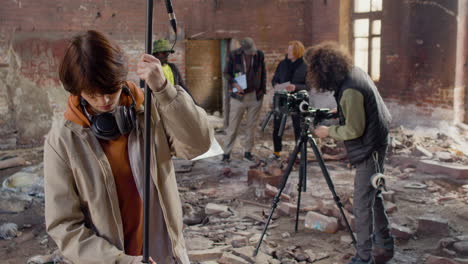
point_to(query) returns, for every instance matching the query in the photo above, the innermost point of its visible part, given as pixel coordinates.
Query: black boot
(248, 156)
(226, 158)
(382, 249)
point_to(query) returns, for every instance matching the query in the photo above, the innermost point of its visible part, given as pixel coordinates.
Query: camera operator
(364, 125)
(93, 160)
(292, 69)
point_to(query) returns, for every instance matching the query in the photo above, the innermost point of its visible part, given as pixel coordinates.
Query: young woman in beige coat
(93, 158)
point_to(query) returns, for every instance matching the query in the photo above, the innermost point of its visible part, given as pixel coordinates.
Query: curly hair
(328, 66)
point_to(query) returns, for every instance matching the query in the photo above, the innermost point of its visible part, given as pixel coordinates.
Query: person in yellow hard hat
(161, 50)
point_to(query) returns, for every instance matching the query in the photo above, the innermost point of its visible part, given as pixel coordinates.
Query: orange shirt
(130, 203)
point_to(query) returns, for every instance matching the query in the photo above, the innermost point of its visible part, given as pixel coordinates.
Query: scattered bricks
(449, 253)
(465, 188)
(461, 247)
(272, 191)
(287, 208)
(350, 218)
(422, 152)
(389, 196)
(346, 239)
(212, 209)
(444, 156)
(246, 253)
(205, 255)
(229, 258)
(432, 225)
(316, 221)
(255, 217)
(390, 207)
(274, 169)
(238, 241)
(255, 176)
(283, 253)
(446, 242)
(255, 238)
(401, 232)
(226, 214)
(329, 208)
(274, 261)
(434, 167)
(277, 172)
(300, 255)
(439, 260)
(227, 172)
(311, 254)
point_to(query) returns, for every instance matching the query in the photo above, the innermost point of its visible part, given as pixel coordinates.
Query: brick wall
(34, 35)
(418, 60)
(418, 47)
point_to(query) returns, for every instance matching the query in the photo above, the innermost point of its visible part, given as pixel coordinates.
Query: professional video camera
(285, 103)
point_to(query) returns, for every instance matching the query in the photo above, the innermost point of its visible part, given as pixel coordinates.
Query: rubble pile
(226, 206)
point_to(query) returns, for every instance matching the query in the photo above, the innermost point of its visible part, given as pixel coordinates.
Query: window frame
(372, 16)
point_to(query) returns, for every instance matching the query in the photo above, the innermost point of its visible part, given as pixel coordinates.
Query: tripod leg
(284, 118)
(267, 120)
(327, 177)
(276, 200)
(301, 186)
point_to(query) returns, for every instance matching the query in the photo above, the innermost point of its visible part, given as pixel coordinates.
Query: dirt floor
(414, 192)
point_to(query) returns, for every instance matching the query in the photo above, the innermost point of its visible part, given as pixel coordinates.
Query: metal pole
(147, 139)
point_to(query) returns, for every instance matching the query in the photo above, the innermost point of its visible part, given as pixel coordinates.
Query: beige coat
(81, 206)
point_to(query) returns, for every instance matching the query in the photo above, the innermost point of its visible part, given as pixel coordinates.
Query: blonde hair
(298, 48)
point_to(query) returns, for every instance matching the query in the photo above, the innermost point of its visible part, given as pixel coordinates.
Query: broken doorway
(204, 73)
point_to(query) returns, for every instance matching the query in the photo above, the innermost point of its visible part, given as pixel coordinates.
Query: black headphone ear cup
(105, 126)
(124, 119)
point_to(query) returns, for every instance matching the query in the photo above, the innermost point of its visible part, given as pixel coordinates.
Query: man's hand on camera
(139, 259)
(291, 88)
(321, 131)
(150, 70)
(334, 111)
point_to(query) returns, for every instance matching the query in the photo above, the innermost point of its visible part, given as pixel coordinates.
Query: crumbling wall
(418, 48)
(418, 60)
(34, 35)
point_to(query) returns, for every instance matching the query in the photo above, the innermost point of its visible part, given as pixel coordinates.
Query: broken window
(367, 25)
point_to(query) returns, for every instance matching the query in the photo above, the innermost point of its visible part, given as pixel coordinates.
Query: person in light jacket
(93, 158)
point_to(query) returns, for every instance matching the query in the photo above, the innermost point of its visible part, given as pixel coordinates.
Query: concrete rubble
(227, 205)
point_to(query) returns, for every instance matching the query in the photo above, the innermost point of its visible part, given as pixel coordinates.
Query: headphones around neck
(111, 125)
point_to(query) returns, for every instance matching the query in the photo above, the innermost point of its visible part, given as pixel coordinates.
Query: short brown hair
(298, 48)
(93, 64)
(328, 66)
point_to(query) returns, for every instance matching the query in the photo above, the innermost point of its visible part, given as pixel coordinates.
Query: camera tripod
(301, 146)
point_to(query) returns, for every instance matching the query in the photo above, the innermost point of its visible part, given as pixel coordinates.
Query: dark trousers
(369, 210)
(277, 140)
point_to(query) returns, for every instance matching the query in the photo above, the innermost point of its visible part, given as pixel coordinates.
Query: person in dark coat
(293, 70)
